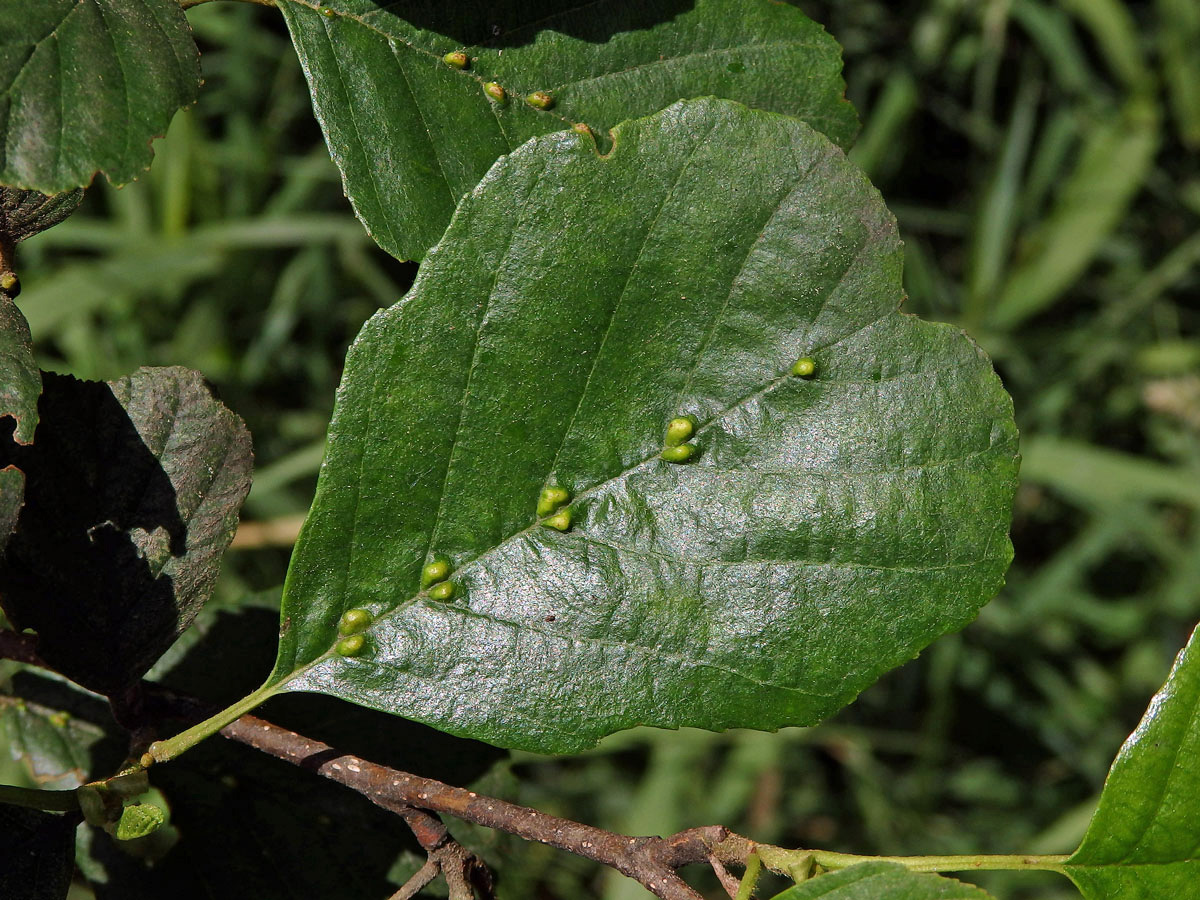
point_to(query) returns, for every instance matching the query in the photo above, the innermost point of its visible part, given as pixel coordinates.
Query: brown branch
(651, 861)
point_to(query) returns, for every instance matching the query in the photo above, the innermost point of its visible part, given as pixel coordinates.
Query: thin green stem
(161, 751)
(750, 877)
(967, 863)
(30, 798)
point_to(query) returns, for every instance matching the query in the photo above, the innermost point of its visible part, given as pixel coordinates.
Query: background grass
(1042, 159)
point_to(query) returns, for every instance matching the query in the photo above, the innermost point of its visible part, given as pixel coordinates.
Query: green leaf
(825, 529)
(20, 386)
(412, 134)
(1144, 841)
(112, 560)
(86, 84)
(878, 880)
(26, 213)
(20, 381)
(53, 746)
(37, 854)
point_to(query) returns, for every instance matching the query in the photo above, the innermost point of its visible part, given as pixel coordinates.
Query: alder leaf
(53, 747)
(412, 134)
(20, 386)
(879, 880)
(86, 84)
(132, 493)
(826, 529)
(1144, 841)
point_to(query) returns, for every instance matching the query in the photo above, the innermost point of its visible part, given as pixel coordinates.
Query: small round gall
(560, 521)
(540, 100)
(442, 591)
(456, 59)
(354, 621)
(551, 498)
(679, 453)
(679, 430)
(495, 91)
(435, 571)
(350, 646)
(804, 367)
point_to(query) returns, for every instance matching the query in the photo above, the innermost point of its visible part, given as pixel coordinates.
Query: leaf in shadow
(37, 854)
(253, 826)
(25, 213)
(132, 494)
(20, 385)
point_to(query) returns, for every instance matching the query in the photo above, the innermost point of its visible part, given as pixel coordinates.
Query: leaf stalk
(161, 751)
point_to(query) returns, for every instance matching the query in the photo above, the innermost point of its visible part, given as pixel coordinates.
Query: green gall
(551, 498)
(354, 621)
(540, 100)
(435, 571)
(10, 284)
(679, 453)
(457, 59)
(327, 13)
(139, 820)
(679, 430)
(350, 646)
(560, 521)
(443, 591)
(495, 91)
(60, 719)
(582, 128)
(804, 367)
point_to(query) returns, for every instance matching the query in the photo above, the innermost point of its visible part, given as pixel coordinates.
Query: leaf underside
(412, 135)
(86, 84)
(878, 880)
(52, 746)
(112, 560)
(825, 532)
(1144, 841)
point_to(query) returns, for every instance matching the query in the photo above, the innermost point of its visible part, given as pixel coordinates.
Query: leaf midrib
(586, 492)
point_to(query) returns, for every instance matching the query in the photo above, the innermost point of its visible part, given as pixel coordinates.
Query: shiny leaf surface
(412, 133)
(824, 530)
(1144, 841)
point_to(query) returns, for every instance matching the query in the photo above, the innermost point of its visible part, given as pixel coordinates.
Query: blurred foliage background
(1043, 160)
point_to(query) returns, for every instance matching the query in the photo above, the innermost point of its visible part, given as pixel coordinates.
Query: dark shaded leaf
(877, 881)
(20, 386)
(240, 834)
(827, 529)
(133, 489)
(86, 84)
(37, 854)
(26, 213)
(20, 380)
(54, 747)
(1144, 841)
(412, 134)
